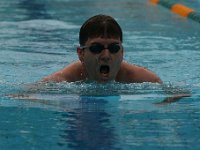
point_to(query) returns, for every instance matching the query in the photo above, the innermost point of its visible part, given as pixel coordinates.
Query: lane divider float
(179, 9)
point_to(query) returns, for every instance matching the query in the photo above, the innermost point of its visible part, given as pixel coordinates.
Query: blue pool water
(40, 37)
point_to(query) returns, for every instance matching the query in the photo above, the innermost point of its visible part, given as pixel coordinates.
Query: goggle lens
(98, 48)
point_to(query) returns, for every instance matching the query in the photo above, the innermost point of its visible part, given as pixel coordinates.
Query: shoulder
(133, 73)
(70, 73)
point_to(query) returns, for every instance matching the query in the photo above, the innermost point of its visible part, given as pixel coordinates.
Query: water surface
(40, 37)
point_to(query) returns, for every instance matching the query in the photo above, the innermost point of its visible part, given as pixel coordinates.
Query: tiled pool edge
(179, 9)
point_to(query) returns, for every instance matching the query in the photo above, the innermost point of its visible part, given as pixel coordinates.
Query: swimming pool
(40, 37)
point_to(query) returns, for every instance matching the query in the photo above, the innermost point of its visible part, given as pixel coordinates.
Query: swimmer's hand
(174, 98)
(176, 94)
(27, 91)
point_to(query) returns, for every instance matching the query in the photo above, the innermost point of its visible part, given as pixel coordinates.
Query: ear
(80, 53)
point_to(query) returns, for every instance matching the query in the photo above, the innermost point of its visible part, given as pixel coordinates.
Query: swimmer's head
(99, 26)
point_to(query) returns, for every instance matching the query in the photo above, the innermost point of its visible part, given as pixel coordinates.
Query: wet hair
(99, 26)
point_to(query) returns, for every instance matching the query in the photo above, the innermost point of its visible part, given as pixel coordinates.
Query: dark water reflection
(89, 127)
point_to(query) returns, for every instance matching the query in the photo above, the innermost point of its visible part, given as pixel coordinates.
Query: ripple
(40, 24)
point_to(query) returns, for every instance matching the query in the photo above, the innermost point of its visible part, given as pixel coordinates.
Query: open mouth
(104, 69)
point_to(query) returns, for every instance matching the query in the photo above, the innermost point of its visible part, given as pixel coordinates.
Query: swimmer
(101, 56)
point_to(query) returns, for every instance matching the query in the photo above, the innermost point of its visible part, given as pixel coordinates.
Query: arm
(176, 93)
(174, 98)
(137, 74)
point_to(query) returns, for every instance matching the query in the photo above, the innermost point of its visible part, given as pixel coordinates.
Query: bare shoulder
(69, 73)
(133, 73)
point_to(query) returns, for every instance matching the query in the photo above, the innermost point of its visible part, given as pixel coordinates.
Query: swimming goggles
(98, 48)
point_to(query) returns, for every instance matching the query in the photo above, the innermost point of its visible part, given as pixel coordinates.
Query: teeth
(104, 69)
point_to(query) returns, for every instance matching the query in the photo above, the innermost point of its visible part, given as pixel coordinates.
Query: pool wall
(179, 9)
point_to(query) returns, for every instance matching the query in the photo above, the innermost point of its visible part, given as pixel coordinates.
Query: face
(101, 64)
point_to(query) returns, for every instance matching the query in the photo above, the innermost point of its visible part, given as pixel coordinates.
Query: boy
(101, 56)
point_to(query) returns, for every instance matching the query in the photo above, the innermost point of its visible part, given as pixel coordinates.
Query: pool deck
(179, 9)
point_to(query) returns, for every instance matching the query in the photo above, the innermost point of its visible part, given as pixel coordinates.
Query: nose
(105, 55)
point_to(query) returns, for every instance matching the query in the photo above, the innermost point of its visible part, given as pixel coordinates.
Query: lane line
(179, 9)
